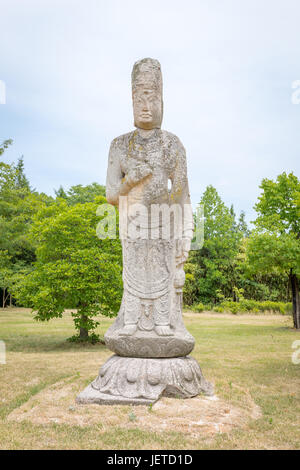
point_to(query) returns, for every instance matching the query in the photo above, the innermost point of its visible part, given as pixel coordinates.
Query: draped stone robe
(153, 273)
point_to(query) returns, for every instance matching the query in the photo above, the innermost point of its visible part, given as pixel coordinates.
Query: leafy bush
(198, 307)
(254, 306)
(218, 309)
(190, 287)
(245, 306)
(230, 306)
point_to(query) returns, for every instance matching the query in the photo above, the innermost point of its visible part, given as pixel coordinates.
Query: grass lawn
(247, 357)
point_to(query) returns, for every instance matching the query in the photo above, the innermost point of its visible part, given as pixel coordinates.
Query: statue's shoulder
(171, 140)
(122, 141)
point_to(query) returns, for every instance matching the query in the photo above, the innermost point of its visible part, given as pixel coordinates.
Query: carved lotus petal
(154, 374)
(187, 373)
(132, 374)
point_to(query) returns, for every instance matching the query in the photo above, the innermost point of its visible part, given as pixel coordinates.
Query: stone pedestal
(142, 381)
(149, 344)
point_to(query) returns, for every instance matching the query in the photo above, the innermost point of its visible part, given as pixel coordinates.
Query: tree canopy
(51, 258)
(81, 194)
(214, 262)
(74, 269)
(275, 244)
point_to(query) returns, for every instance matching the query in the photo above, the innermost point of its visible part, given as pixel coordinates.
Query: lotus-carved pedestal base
(142, 381)
(145, 344)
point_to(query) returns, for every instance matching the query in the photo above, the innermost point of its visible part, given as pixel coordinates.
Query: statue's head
(147, 99)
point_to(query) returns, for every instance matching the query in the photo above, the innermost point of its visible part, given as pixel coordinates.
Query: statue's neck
(146, 133)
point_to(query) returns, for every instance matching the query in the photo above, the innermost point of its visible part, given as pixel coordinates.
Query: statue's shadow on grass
(51, 343)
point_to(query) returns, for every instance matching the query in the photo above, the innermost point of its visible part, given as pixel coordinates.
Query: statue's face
(147, 107)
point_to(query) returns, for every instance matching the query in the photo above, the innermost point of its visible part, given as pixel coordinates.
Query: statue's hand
(179, 278)
(183, 248)
(136, 174)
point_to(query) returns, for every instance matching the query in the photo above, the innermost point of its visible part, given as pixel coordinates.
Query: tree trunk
(84, 333)
(6, 299)
(296, 299)
(3, 298)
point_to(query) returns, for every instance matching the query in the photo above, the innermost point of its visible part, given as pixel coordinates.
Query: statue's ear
(162, 111)
(134, 123)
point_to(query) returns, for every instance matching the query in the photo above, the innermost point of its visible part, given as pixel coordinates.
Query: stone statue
(147, 181)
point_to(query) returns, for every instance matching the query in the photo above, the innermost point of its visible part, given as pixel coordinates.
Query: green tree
(242, 225)
(81, 194)
(258, 285)
(215, 261)
(21, 179)
(5, 145)
(6, 275)
(274, 247)
(60, 193)
(74, 268)
(18, 204)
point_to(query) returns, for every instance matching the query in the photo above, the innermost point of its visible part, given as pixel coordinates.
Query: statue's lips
(146, 116)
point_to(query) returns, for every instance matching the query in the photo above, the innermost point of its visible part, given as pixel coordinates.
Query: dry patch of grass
(198, 417)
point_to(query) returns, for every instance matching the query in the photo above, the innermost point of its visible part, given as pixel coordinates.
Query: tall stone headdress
(147, 73)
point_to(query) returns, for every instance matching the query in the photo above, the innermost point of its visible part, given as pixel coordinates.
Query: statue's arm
(114, 175)
(117, 183)
(180, 191)
(181, 194)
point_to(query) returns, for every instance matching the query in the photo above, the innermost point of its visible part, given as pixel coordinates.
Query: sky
(228, 69)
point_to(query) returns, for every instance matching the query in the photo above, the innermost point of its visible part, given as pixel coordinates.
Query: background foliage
(51, 258)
